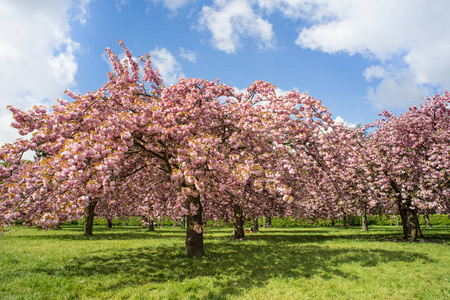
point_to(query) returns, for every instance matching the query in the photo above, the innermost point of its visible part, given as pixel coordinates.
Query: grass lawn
(296, 263)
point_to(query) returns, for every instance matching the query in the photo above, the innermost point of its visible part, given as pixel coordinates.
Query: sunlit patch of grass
(314, 263)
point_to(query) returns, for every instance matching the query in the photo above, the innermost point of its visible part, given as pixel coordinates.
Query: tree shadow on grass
(103, 233)
(315, 236)
(442, 233)
(280, 236)
(384, 233)
(234, 267)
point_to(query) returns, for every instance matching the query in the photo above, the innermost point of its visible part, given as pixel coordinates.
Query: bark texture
(194, 233)
(364, 223)
(426, 216)
(238, 222)
(255, 227)
(344, 221)
(89, 220)
(151, 225)
(410, 220)
(110, 223)
(268, 222)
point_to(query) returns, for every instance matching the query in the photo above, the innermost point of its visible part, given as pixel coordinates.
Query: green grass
(288, 263)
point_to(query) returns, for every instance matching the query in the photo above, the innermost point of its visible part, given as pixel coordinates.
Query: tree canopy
(200, 149)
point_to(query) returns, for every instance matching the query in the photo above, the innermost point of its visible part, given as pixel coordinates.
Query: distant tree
(412, 160)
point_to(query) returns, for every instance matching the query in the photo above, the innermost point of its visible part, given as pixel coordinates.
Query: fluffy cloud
(228, 21)
(339, 119)
(168, 66)
(173, 5)
(409, 39)
(36, 54)
(396, 88)
(293, 9)
(80, 11)
(188, 55)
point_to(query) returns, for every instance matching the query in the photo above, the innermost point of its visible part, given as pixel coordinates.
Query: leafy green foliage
(276, 222)
(130, 221)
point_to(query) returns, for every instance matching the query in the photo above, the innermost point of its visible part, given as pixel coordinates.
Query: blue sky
(358, 57)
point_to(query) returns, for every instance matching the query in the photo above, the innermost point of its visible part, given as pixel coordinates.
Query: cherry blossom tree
(200, 150)
(346, 152)
(198, 140)
(412, 159)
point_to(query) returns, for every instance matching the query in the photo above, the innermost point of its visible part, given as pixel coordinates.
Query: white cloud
(228, 21)
(431, 63)
(396, 87)
(167, 65)
(173, 5)
(282, 92)
(374, 72)
(292, 9)
(341, 120)
(80, 11)
(408, 40)
(121, 3)
(188, 55)
(411, 38)
(376, 28)
(36, 54)
(398, 90)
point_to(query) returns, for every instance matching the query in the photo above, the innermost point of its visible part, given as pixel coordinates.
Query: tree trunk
(344, 221)
(151, 225)
(194, 229)
(426, 216)
(238, 222)
(255, 227)
(332, 223)
(365, 225)
(110, 223)
(410, 221)
(268, 222)
(89, 219)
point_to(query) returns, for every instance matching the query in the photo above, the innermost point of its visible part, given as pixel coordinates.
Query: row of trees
(200, 150)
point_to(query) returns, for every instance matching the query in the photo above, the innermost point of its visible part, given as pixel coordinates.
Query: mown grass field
(288, 263)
